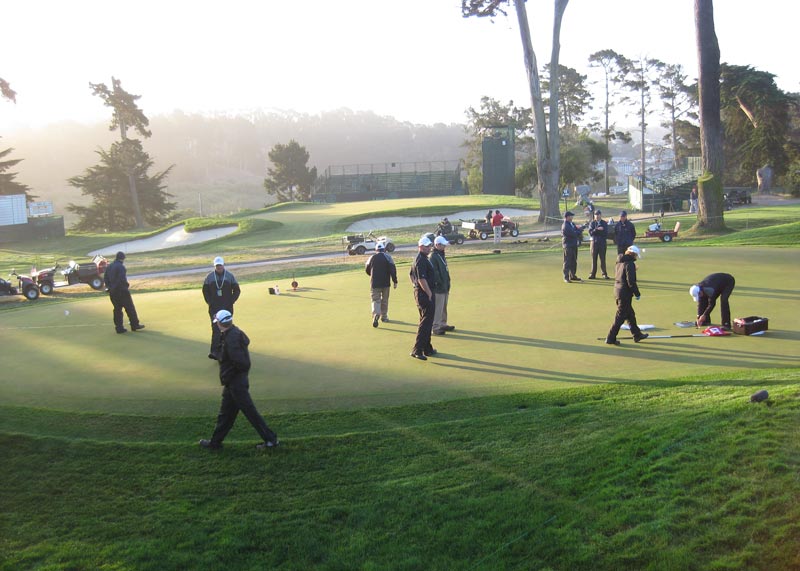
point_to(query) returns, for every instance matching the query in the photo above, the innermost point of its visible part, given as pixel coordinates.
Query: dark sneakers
(208, 445)
(641, 336)
(374, 320)
(419, 356)
(137, 327)
(123, 330)
(449, 327)
(431, 353)
(612, 342)
(268, 444)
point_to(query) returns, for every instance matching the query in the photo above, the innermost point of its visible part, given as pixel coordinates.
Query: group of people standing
(571, 236)
(430, 277)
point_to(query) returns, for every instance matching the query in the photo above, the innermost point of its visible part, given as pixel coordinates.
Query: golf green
(520, 328)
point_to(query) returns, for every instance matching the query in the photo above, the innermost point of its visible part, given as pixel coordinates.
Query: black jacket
(570, 235)
(598, 230)
(624, 233)
(441, 273)
(234, 357)
(625, 286)
(712, 285)
(116, 277)
(381, 269)
(227, 285)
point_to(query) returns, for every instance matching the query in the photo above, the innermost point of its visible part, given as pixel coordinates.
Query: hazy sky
(417, 60)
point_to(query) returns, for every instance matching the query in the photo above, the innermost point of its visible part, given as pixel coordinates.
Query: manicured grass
(520, 328)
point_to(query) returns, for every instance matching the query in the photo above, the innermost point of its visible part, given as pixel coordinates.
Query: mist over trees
(221, 161)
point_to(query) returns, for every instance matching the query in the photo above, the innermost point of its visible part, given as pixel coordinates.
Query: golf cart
(482, 229)
(450, 232)
(90, 273)
(25, 286)
(655, 231)
(361, 244)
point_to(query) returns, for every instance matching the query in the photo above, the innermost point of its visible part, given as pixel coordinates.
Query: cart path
(553, 233)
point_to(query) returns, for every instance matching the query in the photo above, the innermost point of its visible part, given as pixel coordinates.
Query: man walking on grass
(234, 367)
(382, 272)
(441, 286)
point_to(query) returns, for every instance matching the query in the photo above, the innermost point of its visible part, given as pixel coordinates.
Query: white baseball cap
(218, 261)
(441, 240)
(694, 291)
(223, 316)
(424, 241)
(634, 250)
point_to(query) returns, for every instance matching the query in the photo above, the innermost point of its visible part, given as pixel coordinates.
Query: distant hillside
(220, 162)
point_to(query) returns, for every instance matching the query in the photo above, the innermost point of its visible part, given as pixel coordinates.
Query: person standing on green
(220, 290)
(441, 286)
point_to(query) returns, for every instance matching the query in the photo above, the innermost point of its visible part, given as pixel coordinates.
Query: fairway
(519, 329)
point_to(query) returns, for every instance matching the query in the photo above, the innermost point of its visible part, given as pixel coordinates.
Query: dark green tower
(498, 160)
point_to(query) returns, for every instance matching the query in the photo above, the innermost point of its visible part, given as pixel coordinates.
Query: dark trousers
(235, 398)
(123, 300)
(621, 248)
(624, 313)
(724, 305)
(426, 306)
(598, 250)
(570, 261)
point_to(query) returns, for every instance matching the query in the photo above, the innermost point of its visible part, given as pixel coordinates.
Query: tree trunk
(137, 211)
(547, 148)
(710, 212)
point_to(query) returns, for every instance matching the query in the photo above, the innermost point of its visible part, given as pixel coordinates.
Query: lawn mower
(25, 286)
(450, 232)
(89, 273)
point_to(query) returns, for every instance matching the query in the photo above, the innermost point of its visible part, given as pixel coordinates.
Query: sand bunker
(172, 238)
(390, 222)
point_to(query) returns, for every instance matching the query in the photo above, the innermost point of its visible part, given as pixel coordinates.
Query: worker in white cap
(421, 275)
(707, 292)
(220, 290)
(441, 286)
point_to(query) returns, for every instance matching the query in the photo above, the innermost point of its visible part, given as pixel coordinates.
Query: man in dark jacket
(116, 278)
(441, 286)
(598, 233)
(382, 272)
(624, 233)
(422, 277)
(706, 294)
(625, 288)
(220, 290)
(570, 239)
(234, 367)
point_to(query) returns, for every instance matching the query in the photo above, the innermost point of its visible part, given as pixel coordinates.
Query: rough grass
(685, 474)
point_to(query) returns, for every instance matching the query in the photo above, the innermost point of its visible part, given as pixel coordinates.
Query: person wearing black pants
(598, 232)
(422, 277)
(116, 279)
(706, 293)
(570, 239)
(625, 288)
(234, 368)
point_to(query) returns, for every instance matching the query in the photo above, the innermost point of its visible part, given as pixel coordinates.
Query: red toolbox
(750, 325)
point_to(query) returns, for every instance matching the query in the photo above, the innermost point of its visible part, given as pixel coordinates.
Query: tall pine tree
(108, 185)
